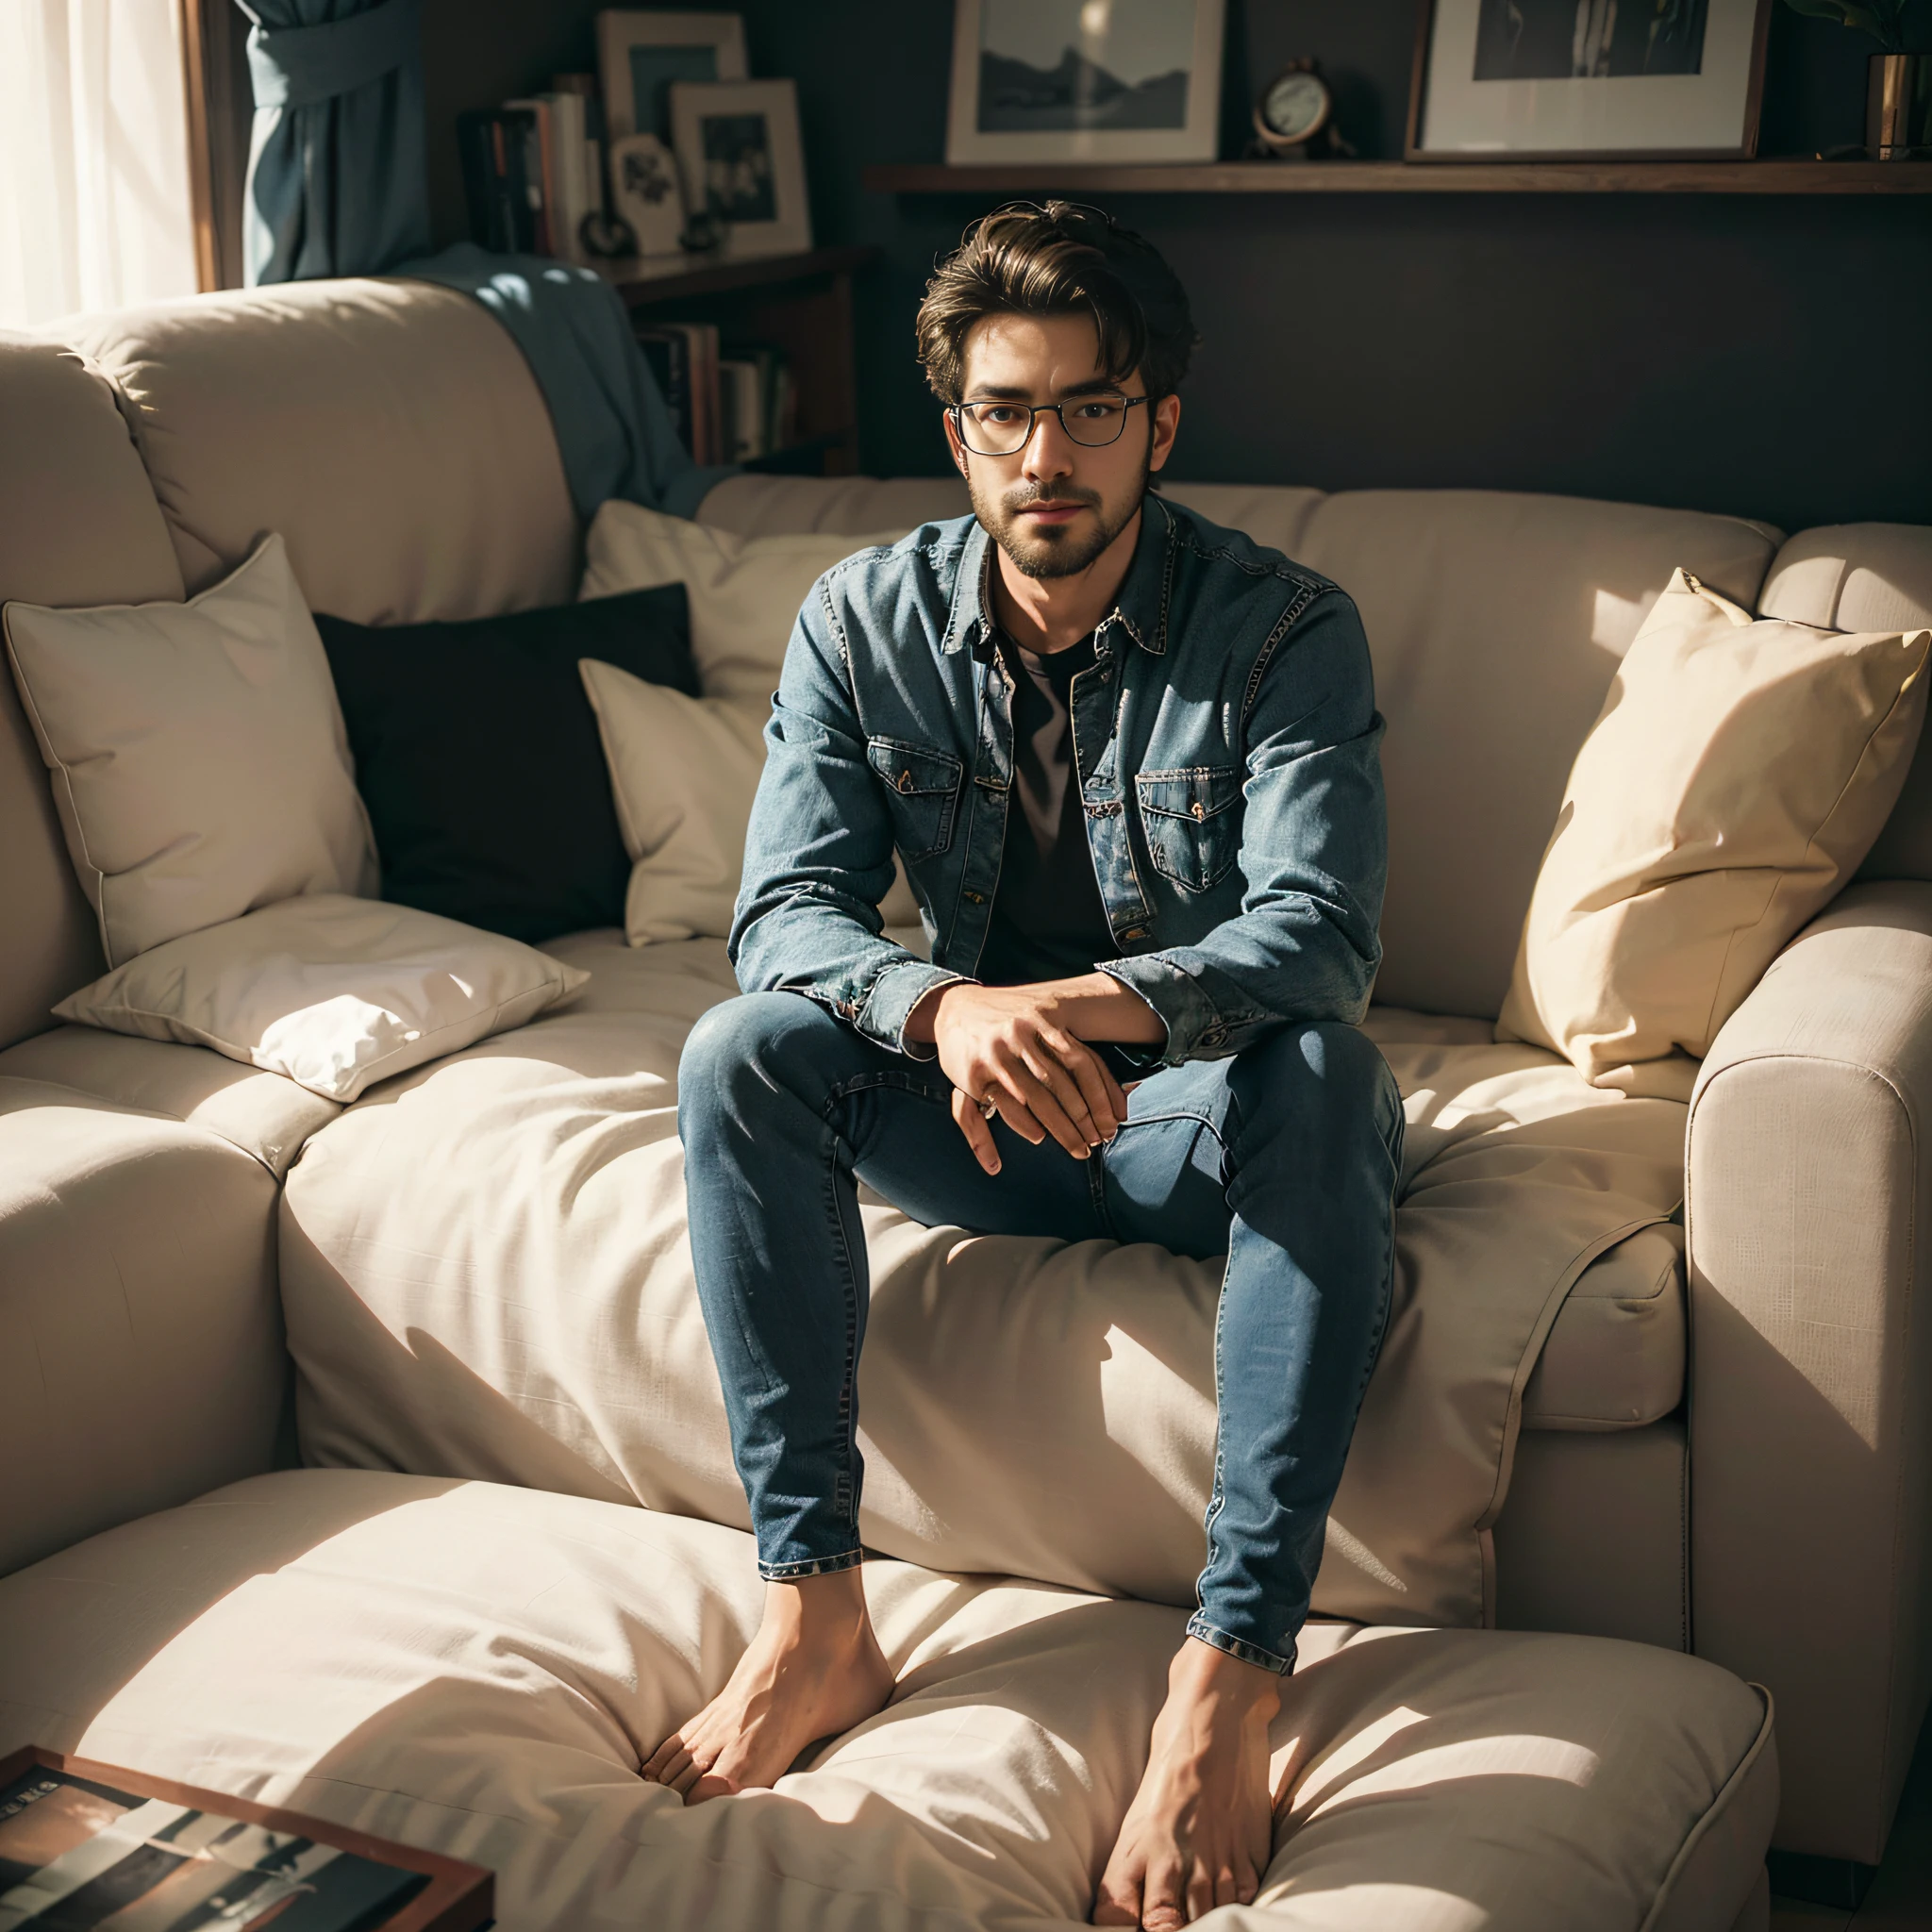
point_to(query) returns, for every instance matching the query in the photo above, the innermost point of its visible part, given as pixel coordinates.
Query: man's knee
(769, 1039)
(1321, 1082)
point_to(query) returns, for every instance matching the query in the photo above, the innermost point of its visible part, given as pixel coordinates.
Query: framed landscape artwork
(1587, 79)
(639, 56)
(738, 151)
(1085, 80)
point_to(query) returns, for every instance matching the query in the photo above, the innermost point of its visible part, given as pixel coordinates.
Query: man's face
(1055, 504)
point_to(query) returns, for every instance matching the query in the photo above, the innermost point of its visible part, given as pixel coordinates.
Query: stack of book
(728, 408)
(531, 170)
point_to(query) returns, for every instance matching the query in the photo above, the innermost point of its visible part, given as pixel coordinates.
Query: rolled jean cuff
(1236, 1646)
(812, 1566)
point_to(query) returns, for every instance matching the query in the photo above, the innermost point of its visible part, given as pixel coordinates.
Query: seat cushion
(263, 1113)
(525, 1310)
(478, 1670)
(140, 1346)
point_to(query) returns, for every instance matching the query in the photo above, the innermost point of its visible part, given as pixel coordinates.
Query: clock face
(1293, 105)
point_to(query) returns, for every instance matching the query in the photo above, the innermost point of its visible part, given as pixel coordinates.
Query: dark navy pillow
(477, 755)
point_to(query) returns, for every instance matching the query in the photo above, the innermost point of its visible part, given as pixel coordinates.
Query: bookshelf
(799, 303)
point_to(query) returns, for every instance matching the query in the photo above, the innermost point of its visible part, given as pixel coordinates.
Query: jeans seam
(848, 1386)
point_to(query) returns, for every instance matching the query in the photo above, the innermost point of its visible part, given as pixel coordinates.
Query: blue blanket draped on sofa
(613, 427)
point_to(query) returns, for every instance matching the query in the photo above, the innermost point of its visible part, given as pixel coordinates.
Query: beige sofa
(1705, 1438)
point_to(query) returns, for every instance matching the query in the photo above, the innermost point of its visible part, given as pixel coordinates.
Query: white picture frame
(648, 52)
(1085, 80)
(740, 154)
(1595, 82)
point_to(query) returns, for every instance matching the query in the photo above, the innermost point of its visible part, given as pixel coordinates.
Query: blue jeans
(1284, 1157)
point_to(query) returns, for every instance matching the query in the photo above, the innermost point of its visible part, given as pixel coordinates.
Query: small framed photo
(1085, 80)
(1571, 80)
(738, 151)
(641, 55)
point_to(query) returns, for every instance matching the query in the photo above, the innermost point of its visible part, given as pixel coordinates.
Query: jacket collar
(1141, 609)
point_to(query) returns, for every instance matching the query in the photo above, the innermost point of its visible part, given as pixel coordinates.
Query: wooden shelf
(1416, 177)
(645, 282)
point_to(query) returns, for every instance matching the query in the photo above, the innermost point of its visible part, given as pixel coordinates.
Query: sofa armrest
(1809, 1176)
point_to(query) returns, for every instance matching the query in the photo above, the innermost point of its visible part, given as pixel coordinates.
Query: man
(1130, 762)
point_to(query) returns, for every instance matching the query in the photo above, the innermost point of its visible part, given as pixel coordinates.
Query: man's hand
(1023, 1049)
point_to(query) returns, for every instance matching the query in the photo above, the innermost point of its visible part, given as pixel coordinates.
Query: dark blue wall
(1765, 356)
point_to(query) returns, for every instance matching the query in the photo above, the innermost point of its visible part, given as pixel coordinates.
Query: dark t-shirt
(1048, 921)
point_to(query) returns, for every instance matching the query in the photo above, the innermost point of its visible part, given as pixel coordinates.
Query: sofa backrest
(78, 525)
(393, 433)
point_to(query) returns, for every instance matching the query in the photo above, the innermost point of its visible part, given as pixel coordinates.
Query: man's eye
(997, 413)
(1098, 412)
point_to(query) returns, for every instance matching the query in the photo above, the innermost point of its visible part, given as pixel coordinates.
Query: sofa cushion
(263, 1113)
(478, 1670)
(199, 761)
(745, 592)
(1615, 1356)
(78, 525)
(140, 1343)
(477, 755)
(391, 429)
(523, 1311)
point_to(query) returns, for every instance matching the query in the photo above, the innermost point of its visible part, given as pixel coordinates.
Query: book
(668, 358)
(85, 1845)
(741, 409)
(485, 187)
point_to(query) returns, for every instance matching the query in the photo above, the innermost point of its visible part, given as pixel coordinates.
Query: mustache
(1058, 498)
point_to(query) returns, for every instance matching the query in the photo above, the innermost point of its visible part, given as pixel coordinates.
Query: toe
(1162, 1908)
(658, 1764)
(1117, 1901)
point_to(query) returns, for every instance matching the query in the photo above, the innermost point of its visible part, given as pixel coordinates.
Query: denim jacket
(1226, 741)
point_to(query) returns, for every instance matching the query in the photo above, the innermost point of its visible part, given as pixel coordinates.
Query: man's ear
(952, 442)
(1167, 421)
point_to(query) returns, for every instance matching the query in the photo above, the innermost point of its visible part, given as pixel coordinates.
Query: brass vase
(1898, 107)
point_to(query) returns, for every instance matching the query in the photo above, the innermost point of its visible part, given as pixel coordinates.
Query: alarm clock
(1293, 108)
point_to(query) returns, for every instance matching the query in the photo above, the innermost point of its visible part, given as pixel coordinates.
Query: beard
(1061, 551)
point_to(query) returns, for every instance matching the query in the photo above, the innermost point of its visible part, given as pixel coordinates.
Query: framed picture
(645, 192)
(641, 55)
(1570, 80)
(738, 151)
(1085, 80)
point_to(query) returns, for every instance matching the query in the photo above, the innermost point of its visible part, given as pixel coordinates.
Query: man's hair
(1059, 259)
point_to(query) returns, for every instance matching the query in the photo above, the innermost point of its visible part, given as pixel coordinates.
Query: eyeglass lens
(1002, 429)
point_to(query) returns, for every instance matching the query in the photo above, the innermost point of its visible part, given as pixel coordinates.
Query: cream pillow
(745, 592)
(197, 751)
(335, 992)
(1738, 773)
(684, 772)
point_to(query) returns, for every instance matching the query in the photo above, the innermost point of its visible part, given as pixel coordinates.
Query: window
(96, 201)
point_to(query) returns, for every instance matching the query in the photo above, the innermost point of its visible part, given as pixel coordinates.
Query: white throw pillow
(335, 992)
(197, 751)
(744, 592)
(684, 772)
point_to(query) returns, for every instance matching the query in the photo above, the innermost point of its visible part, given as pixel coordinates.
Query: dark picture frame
(1554, 102)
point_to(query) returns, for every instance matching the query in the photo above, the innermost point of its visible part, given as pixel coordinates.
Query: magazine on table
(97, 1849)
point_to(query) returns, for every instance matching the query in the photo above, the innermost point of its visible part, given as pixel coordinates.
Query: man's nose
(1049, 450)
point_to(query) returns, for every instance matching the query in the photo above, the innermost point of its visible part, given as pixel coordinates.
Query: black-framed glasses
(1004, 429)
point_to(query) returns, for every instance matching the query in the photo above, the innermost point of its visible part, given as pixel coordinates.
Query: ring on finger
(986, 1103)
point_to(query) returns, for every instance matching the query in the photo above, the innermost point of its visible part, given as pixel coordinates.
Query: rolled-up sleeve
(1313, 856)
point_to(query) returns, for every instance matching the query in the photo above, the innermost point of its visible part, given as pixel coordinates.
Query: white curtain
(94, 207)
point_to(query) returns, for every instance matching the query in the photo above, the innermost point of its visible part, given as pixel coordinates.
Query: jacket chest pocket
(1193, 833)
(923, 785)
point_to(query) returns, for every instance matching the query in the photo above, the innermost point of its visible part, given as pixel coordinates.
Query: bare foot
(814, 1668)
(1198, 1832)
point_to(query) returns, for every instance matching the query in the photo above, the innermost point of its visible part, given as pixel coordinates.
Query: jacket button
(905, 781)
(1195, 809)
